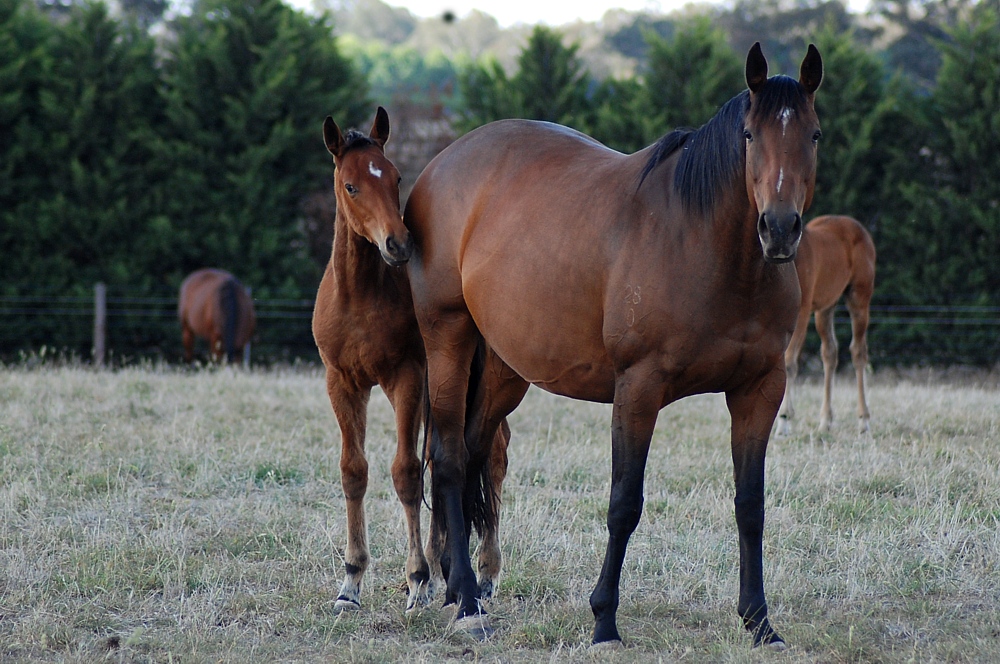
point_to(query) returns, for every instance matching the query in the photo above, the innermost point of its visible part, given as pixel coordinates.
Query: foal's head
(367, 187)
(781, 131)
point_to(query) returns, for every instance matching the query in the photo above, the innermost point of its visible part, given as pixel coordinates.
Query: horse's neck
(358, 268)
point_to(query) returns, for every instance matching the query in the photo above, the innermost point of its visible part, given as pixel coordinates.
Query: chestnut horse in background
(367, 335)
(836, 257)
(634, 280)
(214, 305)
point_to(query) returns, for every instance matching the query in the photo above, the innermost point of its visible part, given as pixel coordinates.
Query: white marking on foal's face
(377, 172)
(781, 177)
(785, 116)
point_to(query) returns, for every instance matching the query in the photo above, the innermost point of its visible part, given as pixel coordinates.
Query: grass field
(171, 516)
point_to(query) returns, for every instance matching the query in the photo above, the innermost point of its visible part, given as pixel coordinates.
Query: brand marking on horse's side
(377, 172)
(785, 116)
(633, 295)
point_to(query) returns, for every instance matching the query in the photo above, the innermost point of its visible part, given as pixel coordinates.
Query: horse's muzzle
(397, 251)
(779, 235)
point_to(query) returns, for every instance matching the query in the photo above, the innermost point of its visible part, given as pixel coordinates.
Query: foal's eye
(747, 135)
(817, 136)
(351, 189)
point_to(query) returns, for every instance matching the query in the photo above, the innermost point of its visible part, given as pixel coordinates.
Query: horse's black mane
(712, 155)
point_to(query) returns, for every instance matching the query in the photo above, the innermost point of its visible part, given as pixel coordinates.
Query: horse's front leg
(406, 392)
(637, 402)
(753, 408)
(351, 408)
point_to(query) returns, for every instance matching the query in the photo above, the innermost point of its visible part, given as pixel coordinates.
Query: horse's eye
(817, 136)
(351, 189)
(747, 135)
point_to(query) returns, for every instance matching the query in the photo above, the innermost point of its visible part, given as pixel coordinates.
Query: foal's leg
(752, 409)
(792, 354)
(828, 349)
(857, 305)
(351, 408)
(638, 397)
(406, 393)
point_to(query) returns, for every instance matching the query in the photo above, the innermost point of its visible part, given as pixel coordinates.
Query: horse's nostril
(797, 225)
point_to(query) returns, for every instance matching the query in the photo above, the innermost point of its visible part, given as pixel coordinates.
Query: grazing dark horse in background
(367, 335)
(836, 257)
(214, 305)
(634, 280)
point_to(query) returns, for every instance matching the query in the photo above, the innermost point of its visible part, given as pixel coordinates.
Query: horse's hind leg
(187, 337)
(406, 394)
(857, 305)
(828, 349)
(351, 409)
(792, 353)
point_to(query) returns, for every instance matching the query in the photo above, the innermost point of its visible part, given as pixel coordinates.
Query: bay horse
(836, 257)
(366, 333)
(634, 280)
(215, 306)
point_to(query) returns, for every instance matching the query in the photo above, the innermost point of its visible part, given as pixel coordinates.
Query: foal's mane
(712, 156)
(356, 139)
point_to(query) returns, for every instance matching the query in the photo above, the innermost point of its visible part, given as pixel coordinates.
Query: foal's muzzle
(397, 249)
(779, 235)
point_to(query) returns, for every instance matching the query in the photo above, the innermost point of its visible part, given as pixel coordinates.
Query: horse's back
(200, 304)
(837, 253)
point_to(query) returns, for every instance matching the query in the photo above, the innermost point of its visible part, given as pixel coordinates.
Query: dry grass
(158, 515)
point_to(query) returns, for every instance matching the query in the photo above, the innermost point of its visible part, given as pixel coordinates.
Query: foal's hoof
(486, 589)
(419, 598)
(477, 626)
(607, 646)
(863, 425)
(344, 604)
(776, 646)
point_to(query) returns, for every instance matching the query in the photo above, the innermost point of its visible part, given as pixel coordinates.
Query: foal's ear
(332, 137)
(380, 128)
(756, 68)
(811, 72)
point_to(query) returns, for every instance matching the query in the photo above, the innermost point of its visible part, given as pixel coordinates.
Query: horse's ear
(332, 137)
(811, 72)
(380, 128)
(756, 68)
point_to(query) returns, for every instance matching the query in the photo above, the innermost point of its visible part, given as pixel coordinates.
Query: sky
(551, 12)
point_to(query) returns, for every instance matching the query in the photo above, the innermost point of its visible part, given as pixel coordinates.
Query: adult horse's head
(781, 131)
(367, 187)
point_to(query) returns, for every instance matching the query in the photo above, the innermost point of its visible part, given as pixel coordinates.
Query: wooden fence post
(100, 322)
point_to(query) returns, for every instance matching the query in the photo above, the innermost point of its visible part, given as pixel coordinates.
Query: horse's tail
(229, 306)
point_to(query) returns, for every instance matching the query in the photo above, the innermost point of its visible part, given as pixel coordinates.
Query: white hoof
(784, 427)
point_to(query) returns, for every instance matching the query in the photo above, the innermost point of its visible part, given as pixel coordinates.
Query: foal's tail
(229, 305)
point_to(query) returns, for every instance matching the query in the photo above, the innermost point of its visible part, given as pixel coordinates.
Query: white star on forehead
(377, 172)
(785, 116)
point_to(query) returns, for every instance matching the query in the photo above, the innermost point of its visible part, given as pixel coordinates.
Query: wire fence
(145, 327)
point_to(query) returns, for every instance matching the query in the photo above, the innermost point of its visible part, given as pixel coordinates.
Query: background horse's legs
(857, 304)
(752, 409)
(638, 397)
(828, 349)
(792, 354)
(351, 409)
(406, 395)
(187, 337)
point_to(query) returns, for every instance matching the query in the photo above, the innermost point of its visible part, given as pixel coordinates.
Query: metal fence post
(100, 322)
